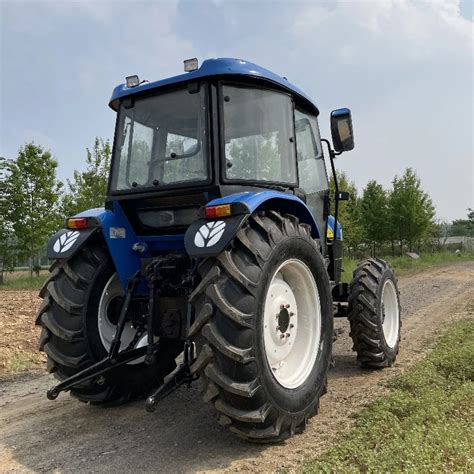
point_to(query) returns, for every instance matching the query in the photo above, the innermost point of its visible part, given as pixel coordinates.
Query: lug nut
(287, 306)
(282, 306)
(292, 314)
(292, 326)
(282, 336)
(287, 334)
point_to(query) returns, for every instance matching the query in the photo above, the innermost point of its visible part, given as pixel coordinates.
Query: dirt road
(182, 435)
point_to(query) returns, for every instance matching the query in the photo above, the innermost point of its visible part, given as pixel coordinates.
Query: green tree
(7, 240)
(89, 188)
(349, 213)
(411, 210)
(463, 227)
(374, 214)
(32, 191)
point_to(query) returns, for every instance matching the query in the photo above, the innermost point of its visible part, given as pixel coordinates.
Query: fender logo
(209, 234)
(65, 241)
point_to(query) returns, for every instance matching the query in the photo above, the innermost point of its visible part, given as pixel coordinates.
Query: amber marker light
(77, 223)
(212, 212)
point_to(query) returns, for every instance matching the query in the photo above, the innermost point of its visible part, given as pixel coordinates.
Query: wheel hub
(108, 314)
(284, 318)
(390, 313)
(291, 323)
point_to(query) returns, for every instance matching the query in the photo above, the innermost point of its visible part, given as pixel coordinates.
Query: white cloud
(404, 67)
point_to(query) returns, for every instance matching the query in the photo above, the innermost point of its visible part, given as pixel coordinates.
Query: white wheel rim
(107, 328)
(292, 323)
(390, 313)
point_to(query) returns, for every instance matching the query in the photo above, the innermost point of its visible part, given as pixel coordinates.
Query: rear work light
(212, 212)
(77, 223)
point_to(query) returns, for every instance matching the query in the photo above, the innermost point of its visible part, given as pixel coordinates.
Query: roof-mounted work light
(191, 65)
(132, 81)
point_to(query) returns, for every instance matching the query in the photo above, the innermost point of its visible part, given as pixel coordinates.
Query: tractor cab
(227, 127)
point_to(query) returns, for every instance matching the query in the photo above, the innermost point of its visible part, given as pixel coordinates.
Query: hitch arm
(115, 346)
(96, 370)
(114, 358)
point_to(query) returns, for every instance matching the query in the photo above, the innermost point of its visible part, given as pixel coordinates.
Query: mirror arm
(332, 156)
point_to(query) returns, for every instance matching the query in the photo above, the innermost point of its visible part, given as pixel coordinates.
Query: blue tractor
(215, 256)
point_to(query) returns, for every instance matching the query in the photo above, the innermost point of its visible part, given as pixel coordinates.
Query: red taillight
(212, 212)
(77, 223)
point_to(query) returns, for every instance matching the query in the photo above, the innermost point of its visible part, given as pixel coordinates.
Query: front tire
(261, 388)
(375, 314)
(76, 333)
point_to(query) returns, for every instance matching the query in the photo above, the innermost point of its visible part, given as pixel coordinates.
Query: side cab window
(311, 167)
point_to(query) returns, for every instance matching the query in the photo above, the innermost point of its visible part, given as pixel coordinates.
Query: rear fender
(65, 243)
(116, 232)
(209, 237)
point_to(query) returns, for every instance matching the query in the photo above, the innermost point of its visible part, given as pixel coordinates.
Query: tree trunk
(393, 249)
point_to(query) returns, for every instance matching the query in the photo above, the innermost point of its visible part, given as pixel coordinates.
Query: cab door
(313, 178)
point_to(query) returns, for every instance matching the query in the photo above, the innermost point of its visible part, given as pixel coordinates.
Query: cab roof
(223, 67)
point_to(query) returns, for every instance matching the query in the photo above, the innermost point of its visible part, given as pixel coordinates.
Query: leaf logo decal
(209, 234)
(65, 241)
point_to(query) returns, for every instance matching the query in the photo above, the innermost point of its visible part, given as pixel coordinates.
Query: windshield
(259, 135)
(160, 141)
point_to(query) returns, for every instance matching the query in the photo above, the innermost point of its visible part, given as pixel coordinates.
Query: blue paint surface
(120, 237)
(210, 68)
(331, 226)
(275, 200)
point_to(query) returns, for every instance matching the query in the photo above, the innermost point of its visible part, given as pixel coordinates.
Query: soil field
(18, 334)
(37, 435)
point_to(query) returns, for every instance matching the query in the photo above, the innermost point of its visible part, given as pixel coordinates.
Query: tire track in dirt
(182, 435)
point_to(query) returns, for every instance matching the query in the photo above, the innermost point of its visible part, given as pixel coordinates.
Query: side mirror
(341, 130)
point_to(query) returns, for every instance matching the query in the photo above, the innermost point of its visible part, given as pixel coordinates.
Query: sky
(404, 68)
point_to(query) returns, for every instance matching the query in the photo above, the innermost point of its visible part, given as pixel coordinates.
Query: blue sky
(405, 69)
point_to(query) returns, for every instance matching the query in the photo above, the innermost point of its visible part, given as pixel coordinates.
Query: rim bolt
(287, 334)
(292, 314)
(287, 306)
(282, 306)
(282, 336)
(292, 326)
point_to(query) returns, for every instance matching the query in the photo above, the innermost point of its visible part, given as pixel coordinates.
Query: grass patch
(21, 363)
(423, 425)
(21, 280)
(24, 282)
(405, 265)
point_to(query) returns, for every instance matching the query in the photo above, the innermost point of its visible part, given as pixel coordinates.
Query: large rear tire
(269, 290)
(70, 316)
(375, 314)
